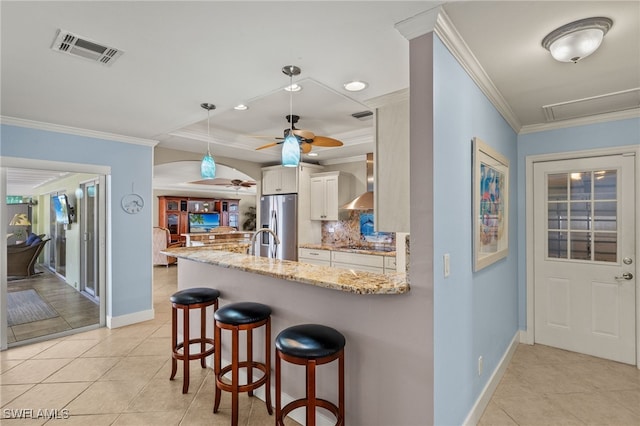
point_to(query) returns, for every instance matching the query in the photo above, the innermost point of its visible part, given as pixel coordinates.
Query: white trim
(20, 122)
(420, 24)
(485, 396)
(31, 163)
(530, 277)
(333, 161)
(390, 98)
(526, 338)
(593, 119)
(128, 319)
(463, 54)
(4, 329)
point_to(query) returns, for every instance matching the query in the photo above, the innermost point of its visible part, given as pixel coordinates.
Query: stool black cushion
(242, 313)
(310, 341)
(192, 296)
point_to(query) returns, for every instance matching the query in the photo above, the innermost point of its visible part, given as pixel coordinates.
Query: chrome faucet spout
(252, 247)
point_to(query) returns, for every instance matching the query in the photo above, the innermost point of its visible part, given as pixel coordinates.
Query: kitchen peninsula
(376, 313)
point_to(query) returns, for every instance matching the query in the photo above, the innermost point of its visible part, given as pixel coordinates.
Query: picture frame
(490, 205)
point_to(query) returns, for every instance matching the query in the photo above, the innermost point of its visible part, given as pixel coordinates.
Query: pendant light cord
(208, 133)
(291, 103)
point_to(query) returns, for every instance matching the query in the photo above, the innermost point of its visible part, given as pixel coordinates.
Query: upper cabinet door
(280, 180)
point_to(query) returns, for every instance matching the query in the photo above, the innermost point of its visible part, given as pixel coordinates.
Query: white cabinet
(357, 261)
(314, 257)
(279, 180)
(329, 191)
(389, 264)
(391, 162)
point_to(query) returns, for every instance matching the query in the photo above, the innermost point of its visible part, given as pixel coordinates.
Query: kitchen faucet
(252, 250)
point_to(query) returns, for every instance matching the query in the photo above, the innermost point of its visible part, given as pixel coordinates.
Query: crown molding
(438, 21)
(332, 161)
(57, 128)
(389, 98)
(582, 121)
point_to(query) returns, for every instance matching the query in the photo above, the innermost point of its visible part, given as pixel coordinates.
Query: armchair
(21, 259)
(161, 241)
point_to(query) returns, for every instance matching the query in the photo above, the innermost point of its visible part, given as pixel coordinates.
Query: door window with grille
(582, 221)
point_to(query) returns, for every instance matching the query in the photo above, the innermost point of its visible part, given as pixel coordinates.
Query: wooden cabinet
(173, 212)
(279, 180)
(328, 192)
(314, 256)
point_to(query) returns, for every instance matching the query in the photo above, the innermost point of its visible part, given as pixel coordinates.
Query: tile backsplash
(355, 229)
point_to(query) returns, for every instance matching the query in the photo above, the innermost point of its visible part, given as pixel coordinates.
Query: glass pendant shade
(208, 167)
(290, 151)
(575, 46)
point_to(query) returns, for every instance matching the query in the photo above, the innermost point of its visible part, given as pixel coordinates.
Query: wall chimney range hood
(364, 201)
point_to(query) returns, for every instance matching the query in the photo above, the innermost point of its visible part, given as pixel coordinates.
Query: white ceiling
(180, 54)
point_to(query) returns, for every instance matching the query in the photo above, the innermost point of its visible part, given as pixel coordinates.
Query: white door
(584, 257)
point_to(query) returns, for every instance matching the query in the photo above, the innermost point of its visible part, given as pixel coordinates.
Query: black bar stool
(192, 298)
(310, 345)
(235, 317)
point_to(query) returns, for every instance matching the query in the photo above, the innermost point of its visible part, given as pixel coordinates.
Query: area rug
(27, 306)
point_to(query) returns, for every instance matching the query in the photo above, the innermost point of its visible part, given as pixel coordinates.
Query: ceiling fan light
(208, 167)
(576, 40)
(355, 86)
(290, 151)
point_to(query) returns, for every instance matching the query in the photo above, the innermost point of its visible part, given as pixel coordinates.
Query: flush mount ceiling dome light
(576, 40)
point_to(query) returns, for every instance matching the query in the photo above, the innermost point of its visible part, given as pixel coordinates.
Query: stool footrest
(302, 402)
(197, 355)
(225, 385)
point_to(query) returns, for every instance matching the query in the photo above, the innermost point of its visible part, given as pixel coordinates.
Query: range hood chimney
(364, 201)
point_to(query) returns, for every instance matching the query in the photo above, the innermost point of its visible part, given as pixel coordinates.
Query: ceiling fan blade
(305, 134)
(325, 141)
(263, 137)
(305, 147)
(219, 181)
(269, 145)
(247, 184)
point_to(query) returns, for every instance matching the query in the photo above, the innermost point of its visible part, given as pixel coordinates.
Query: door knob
(625, 276)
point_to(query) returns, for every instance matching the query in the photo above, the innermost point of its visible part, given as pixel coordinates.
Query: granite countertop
(360, 249)
(321, 276)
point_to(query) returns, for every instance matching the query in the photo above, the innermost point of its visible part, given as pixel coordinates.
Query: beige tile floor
(120, 377)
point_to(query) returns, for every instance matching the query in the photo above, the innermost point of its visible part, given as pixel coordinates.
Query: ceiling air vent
(72, 44)
(362, 115)
(610, 102)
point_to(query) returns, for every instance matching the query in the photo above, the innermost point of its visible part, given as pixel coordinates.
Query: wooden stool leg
(203, 334)
(341, 387)
(311, 392)
(174, 341)
(279, 420)
(250, 358)
(267, 362)
(217, 364)
(185, 351)
(234, 375)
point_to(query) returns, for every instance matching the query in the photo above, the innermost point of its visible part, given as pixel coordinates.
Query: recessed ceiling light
(241, 107)
(355, 86)
(293, 88)
(312, 154)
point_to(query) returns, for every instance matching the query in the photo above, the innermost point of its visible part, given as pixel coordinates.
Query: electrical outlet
(480, 366)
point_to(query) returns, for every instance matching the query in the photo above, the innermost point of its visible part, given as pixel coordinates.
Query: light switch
(447, 265)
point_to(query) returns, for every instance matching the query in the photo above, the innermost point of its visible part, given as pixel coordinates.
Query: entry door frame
(527, 336)
(105, 229)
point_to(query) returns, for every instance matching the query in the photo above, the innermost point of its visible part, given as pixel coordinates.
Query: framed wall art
(490, 205)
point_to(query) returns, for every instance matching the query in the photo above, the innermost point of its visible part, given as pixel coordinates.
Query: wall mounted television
(203, 222)
(62, 209)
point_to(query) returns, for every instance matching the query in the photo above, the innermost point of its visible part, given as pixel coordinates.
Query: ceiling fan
(306, 138)
(233, 183)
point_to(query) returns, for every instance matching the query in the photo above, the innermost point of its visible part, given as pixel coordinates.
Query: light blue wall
(592, 136)
(130, 164)
(475, 314)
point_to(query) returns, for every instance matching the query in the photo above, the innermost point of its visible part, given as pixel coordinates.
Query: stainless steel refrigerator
(280, 214)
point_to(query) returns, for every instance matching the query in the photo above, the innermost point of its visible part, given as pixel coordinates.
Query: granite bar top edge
(357, 282)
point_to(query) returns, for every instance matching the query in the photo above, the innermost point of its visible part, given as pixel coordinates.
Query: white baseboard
(299, 415)
(128, 319)
(485, 396)
(526, 337)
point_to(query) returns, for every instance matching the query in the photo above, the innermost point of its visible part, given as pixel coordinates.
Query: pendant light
(291, 145)
(208, 166)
